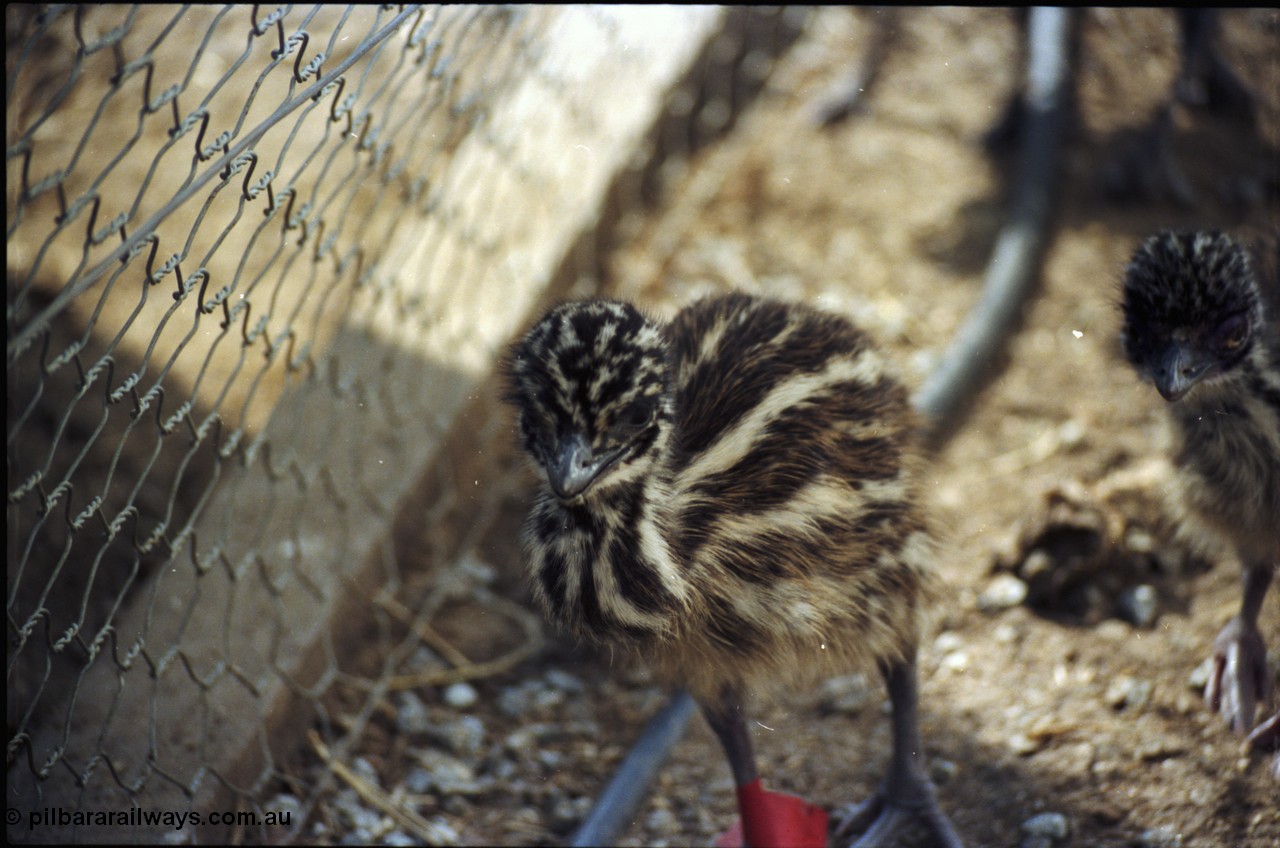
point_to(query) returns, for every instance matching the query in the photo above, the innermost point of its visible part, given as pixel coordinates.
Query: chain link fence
(260, 263)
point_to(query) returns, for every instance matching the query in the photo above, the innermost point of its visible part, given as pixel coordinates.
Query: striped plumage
(1199, 323)
(730, 498)
(759, 525)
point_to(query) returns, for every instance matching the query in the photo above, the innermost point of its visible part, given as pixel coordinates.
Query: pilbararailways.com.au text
(138, 817)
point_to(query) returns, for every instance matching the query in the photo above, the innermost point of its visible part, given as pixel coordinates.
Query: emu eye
(637, 415)
(1232, 333)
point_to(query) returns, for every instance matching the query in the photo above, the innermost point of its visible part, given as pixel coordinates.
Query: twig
(467, 670)
(418, 827)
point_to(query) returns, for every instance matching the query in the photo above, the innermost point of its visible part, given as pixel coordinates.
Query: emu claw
(1266, 737)
(878, 820)
(1240, 679)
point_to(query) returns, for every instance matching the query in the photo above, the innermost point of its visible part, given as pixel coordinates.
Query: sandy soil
(1063, 706)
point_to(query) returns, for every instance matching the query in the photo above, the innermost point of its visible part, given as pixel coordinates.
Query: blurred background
(264, 505)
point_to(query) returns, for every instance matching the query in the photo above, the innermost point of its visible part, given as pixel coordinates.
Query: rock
(1138, 605)
(365, 824)
(1003, 592)
(948, 642)
(564, 681)
(1006, 634)
(482, 573)
(1055, 826)
(662, 822)
(568, 813)
(463, 735)
(1199, 677)
(446, 774)
(942, 770)
(1023, 745)
(1127, 692)
(1139, 540)
(285, 804)
(1037, 565)
(364, 768)
(461, 695)
(528, 697)
(1160, 837)
(412, 718)
(848, 694)
(417, 780)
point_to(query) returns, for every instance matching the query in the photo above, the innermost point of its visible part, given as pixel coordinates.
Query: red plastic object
(775, 820)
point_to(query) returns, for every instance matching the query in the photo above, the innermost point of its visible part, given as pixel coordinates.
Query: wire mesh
(258, 260)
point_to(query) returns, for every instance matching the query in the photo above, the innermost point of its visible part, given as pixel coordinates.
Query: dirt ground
(1060, 704)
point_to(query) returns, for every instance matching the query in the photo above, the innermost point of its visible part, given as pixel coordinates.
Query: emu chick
(1197, 324)
(730, 499)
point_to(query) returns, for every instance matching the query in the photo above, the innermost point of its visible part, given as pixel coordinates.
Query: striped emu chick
(1196, 324)
(730, 499)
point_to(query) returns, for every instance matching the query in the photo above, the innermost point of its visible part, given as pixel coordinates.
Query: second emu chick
(730, 498)
(1196, 324)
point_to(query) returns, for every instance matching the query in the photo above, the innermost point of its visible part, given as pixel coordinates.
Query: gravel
(460, 696)
(1053, 825)
(1139, 605)
(412, 718)
(1003, 592)
(1127, 693)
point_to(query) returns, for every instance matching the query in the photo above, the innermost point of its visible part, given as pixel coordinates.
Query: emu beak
(1178, 371)
(575, 467)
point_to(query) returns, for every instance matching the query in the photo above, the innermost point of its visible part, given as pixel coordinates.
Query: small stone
(1036, 840)
(1139, 540)
(1055, 826)
(1127, 692)
(285, 803)
(955, 661)
(1113, 631)
(1005, 634)
(848, 694)
(463, 735)
(1160, 837)
(942, 770)
(1037, 564)
(567, 813)
(1154, 750)
(662, 822)
(364, 824)
(456, 805)
(528, 697)
(1003, 592)
(447, 775)
(948, 642)
(564, 681)
(1138, 605)
(1199, 677)
(1023, 745)
(481, 572)
(365, 769)
(417, 780)
(398, 838)
(461, 695)
(411, 714)
(504, 770)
